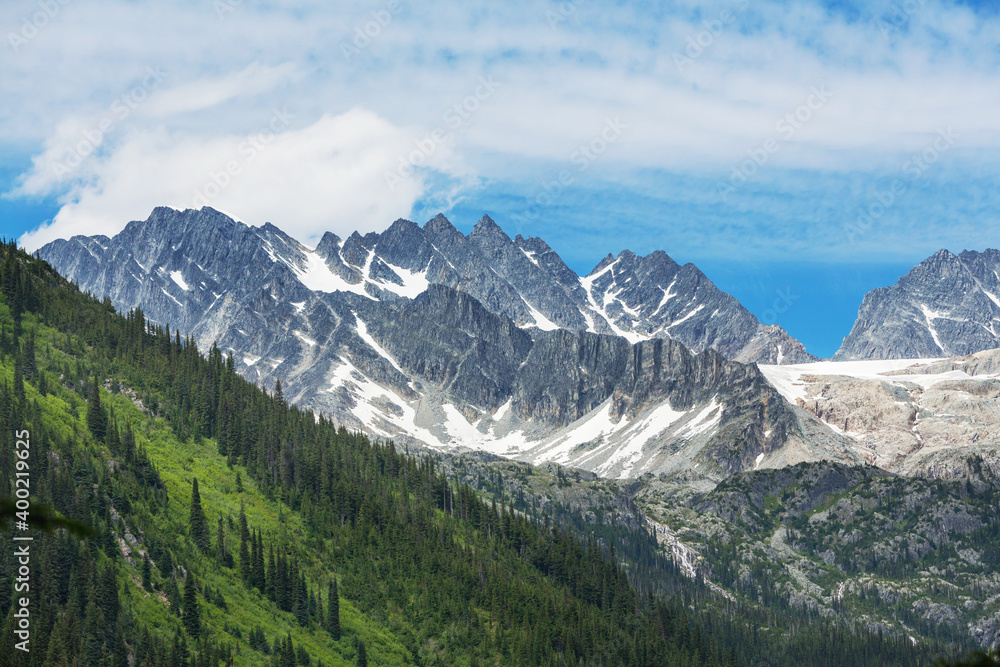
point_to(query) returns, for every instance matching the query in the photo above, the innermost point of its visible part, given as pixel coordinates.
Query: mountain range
(432, 337)
(429, 336)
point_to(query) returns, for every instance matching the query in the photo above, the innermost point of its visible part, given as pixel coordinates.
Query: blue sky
(800, 152)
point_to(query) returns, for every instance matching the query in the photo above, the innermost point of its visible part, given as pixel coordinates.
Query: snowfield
(788, 379)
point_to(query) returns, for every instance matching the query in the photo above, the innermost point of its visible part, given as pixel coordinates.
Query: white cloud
(892, 91)
(329, 175)
(253, 80)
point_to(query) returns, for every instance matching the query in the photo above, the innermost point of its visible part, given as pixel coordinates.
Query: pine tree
(112, 438)
(29, 367)
(198, 522)
(222, 554)
(97, 421)
(128, 445)
(173, 596)
(333, 612)
(287, 656)
(264, 582)
(246, 564)
(107, 595)
(192, 612)
(362, 659)
(94, 626)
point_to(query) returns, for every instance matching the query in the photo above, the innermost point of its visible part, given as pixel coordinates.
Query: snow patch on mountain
(414, 282)
(788, 381)
(318, 277)
(362, 330)
(929, 317)
(172, 298)
(178, 278)
(541, 322)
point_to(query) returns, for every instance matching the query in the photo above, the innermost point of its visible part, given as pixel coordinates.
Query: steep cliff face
(945, 306)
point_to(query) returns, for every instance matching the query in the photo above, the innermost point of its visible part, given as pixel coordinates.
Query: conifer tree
(192, 613)
(18, 387)
(198, 522)
(107, 594)
(174, 596)
(147, 581)
(265, 582)
(128, 444)
(222, 554)
(246, 565)
(333, 612)
(362, 659)
(29, 367)
(94, 625)
(97, 421)
(112, 438)
(287, 656)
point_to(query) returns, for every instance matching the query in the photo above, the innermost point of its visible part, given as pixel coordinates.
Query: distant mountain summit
(948, 305)
(186, 252)
(428, 335)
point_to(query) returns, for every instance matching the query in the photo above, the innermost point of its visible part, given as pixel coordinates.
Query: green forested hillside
(232, 528)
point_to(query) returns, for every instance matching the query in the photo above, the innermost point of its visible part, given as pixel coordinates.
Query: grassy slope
(178, 462)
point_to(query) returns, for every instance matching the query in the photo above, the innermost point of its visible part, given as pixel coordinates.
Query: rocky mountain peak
(946, 305)
(487, 227)
(328, 246)
(439, 224)
(608, 259)
(639, 298)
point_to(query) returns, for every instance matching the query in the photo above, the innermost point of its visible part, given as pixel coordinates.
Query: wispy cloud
(894, 89)
(327, 175)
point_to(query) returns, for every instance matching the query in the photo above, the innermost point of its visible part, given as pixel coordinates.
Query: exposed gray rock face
(429, 336)
(523, 279)
(947, 305)
(639, 297)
